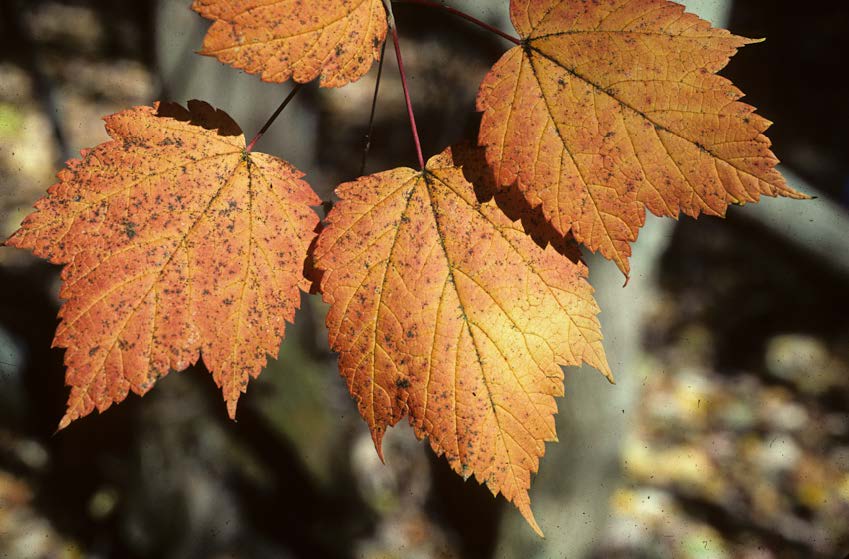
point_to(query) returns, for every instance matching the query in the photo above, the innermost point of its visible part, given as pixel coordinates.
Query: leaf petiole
(464, 15)
(412, 116)
(273, 117)
(373, 110)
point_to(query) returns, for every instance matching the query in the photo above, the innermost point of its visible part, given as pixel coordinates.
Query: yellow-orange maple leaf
(176, 242)
(612, 106)
(278, 39)
(443, 309)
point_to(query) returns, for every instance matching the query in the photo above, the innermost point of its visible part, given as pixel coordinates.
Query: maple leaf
(444, 309)
(176, 241)
(612, 106)
(336, 39)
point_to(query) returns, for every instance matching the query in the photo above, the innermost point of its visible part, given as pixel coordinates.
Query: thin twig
(394, 29)
(464, 15)
(273, 117)
(373, 109)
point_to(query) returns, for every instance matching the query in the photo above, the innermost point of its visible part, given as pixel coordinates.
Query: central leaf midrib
(427, 175)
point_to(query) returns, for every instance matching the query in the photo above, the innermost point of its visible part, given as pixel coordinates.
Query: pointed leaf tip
(528, 515)
(63, 423)
(231, 408)
(377, 439)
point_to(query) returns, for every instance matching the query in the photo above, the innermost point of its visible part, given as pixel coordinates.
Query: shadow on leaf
(200, 113)
(511, 201)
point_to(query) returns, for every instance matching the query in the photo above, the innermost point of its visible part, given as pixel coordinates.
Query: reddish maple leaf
(444, 309)
(612, 106)
(335, 39)
(176, 242)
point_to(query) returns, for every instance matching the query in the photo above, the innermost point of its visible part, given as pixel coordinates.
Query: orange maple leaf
(444, 309)
(176, 242)
(612, 106)
(336, 39)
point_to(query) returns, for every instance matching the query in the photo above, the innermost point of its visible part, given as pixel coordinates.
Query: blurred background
(727, 435)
